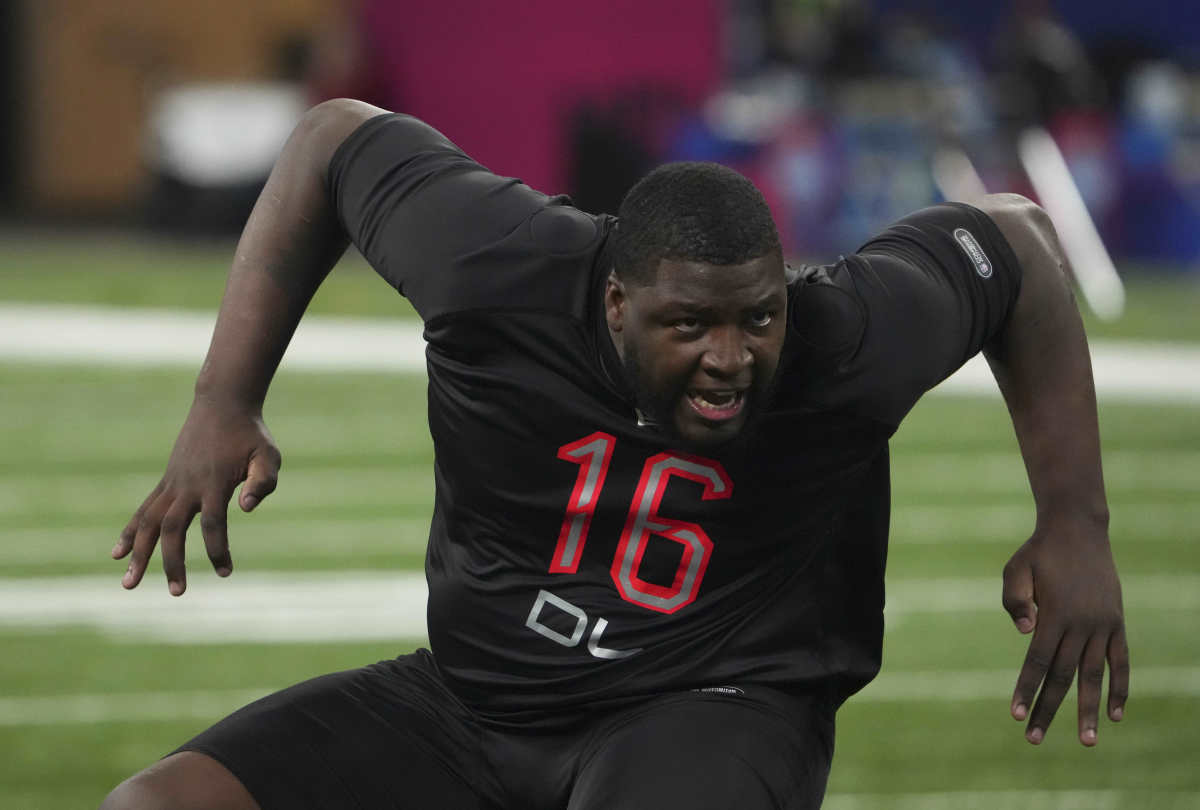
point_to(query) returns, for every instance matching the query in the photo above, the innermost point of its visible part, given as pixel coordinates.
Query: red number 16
(593, 454)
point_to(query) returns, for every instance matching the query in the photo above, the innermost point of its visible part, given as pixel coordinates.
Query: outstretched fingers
(1059, 676)
(164, 516)
(1073, 607)
(145, 527)
(214, 527)
(218, 448)
(125, 540)
(174, 535)
(1033, 671)
(1091, 683)
(1118, 675)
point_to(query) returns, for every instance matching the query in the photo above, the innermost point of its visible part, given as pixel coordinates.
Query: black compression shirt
(576, 557)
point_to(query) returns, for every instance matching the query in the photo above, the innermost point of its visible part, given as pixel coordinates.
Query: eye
(687, 325)
(762, 318)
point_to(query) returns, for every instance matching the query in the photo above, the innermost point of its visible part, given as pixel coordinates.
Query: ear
(614, 303)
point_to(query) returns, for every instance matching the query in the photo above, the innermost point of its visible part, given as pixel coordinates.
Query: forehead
(691, 283)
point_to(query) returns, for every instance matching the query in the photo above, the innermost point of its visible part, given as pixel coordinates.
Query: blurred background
(136, 134)
(167, 115)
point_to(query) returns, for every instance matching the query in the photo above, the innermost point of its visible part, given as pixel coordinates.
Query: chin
(692, 433)
(698, 435)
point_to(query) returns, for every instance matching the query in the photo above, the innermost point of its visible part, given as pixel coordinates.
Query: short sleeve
(912, 306)
(442, 229)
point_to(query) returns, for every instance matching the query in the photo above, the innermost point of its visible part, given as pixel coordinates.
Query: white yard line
(44, 333)
(369, 605)
(329, 540)
(1123, 370)
(333, 606)
(940, 685)
(908, 597)
(138, 707)
(891, 687)
(1134, 522)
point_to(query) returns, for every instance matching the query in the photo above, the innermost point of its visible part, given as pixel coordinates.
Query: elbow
(338, 112)
(324, 127)
(1028, 230)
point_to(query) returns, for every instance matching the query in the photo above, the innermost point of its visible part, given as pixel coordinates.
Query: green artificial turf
(80, 447)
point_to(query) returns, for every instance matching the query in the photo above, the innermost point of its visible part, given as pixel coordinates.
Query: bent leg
(757, 750)
(184, 781)
(387, 735)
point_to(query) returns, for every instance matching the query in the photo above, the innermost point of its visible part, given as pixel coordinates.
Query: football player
(657, 551)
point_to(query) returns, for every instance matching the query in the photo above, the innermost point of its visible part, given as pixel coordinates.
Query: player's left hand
(1062, 586)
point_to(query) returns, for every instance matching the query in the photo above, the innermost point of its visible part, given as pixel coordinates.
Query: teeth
(710, 400)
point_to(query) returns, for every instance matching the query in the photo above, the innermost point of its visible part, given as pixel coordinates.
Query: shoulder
(343, 132)
(1024, 225)
(825, 315)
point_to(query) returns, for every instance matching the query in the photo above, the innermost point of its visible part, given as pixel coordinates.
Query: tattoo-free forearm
(288, 246)
(1043, 368)
(1061, 585)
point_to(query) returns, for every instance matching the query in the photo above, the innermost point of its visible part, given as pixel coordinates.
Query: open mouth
(716, 406)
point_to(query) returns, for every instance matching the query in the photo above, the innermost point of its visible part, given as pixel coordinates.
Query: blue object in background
(1169, 25)
(1160, 195)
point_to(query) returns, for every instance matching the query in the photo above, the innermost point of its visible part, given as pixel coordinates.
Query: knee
(136, 793)
(182, 781)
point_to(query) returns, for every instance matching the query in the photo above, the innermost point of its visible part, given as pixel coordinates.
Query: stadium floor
(139, 337)
(329, 578)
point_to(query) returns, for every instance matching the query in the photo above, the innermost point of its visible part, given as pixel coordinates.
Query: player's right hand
(219, 447)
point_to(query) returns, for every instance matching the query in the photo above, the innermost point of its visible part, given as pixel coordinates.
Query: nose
(727, 354)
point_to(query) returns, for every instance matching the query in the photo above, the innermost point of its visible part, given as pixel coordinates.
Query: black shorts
(392, 735)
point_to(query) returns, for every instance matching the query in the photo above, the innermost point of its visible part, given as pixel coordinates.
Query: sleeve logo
(970, 246)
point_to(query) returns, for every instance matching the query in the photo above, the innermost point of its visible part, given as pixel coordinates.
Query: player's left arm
(1062, 584)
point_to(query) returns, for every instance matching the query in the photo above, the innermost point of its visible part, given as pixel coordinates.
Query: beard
(656, 406)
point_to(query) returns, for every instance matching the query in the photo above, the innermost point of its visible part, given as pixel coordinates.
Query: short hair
(689, 211)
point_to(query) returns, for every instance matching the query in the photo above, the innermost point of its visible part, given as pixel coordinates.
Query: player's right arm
(289, 244)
